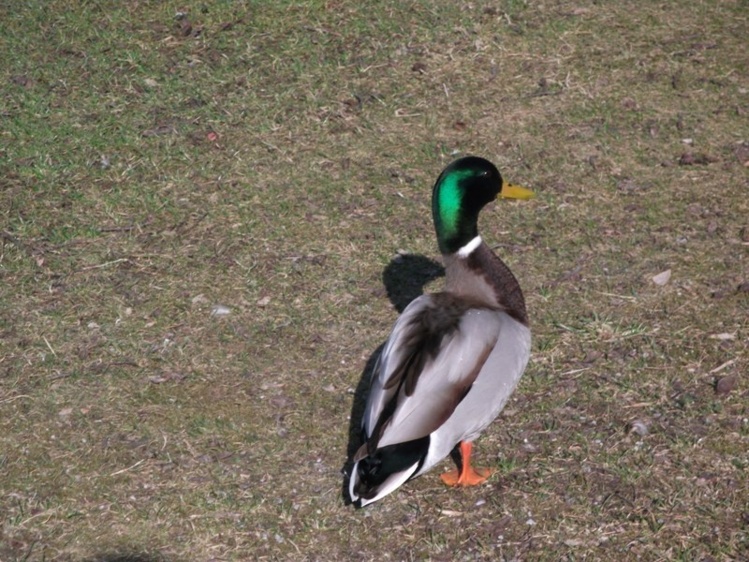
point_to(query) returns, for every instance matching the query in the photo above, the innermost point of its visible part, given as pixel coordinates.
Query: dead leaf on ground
(725, 336)
(167, 377)
(698, 159)
(742, 153)
(160, 131)
(725, 385)
(22, 80)
(662, 278)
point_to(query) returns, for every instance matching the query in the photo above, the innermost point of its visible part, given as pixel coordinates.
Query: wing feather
(434, 354)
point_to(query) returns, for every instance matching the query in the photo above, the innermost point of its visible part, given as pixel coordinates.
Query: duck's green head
(461, 191)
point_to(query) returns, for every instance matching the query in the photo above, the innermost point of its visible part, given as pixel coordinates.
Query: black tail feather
(372, 471)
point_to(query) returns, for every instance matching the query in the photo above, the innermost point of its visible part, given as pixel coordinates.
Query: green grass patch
(199, 204)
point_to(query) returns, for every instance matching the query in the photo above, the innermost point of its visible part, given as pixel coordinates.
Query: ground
(211, 214)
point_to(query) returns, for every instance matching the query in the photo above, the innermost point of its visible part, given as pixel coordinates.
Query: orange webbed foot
(474, 477)
(466, 475)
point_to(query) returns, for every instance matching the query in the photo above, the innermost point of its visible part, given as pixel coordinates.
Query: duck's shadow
(404, 279)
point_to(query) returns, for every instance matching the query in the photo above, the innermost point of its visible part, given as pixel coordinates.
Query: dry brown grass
(273, 159)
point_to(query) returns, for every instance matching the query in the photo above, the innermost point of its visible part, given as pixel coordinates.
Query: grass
(202, 205)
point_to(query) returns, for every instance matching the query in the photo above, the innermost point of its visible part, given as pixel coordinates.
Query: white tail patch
(390, 485)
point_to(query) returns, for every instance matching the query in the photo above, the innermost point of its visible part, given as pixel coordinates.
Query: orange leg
(466, 475)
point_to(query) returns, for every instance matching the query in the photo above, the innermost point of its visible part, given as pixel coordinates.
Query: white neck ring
(468, 249)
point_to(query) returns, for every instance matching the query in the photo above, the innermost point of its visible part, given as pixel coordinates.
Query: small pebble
(639, 427)
(220, 310)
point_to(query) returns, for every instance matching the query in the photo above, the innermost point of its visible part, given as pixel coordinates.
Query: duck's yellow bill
(511, 191)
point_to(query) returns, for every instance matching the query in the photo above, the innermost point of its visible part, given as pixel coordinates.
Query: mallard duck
(453, 357)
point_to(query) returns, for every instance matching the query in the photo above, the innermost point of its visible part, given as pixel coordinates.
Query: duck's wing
(435, 352)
